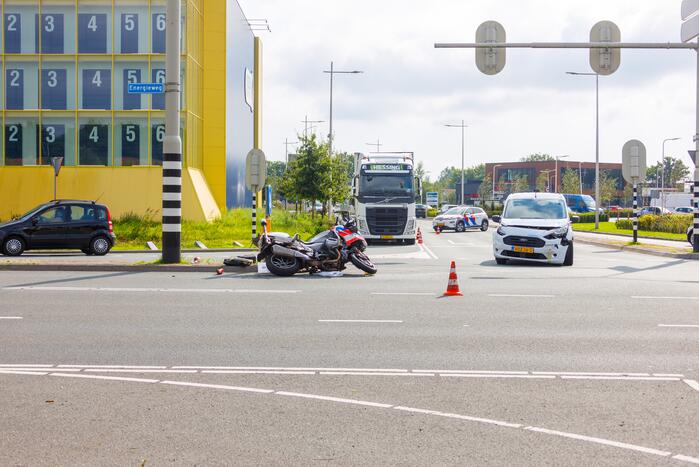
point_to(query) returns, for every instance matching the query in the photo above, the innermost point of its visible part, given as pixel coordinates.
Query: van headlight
(501, 231)
(561, 232)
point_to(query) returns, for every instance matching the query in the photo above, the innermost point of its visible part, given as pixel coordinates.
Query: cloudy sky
(409, 90)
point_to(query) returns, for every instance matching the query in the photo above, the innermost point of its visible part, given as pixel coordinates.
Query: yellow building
(66, 66)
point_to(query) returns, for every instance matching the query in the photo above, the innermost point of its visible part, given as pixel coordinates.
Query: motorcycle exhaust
(281, 251)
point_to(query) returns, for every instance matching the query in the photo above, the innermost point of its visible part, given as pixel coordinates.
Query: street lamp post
(556, 185)
(662, 172)
(580, 175)
(172, 143)
(332, 72)
(494, 167)
(463, 127)
(596, 75)
(548, 179)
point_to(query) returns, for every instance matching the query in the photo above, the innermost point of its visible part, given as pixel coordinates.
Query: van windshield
(535, 209)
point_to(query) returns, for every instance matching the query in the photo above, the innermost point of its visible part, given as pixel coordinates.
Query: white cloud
(409, 89)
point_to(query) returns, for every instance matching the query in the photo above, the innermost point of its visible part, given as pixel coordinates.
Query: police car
(460, 219)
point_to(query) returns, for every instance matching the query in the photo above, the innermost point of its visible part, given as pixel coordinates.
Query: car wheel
(13, 246)
(484, 226)
(100, 246)
(460, 227)
(501, 260)
(569, 256)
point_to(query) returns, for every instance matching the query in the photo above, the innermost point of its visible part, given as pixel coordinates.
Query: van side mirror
(497, 218)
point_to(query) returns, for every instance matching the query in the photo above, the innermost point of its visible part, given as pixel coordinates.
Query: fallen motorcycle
(330, 250)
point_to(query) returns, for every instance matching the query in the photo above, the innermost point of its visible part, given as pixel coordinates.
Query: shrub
(589, 217)
(669, 223)
(432, 212)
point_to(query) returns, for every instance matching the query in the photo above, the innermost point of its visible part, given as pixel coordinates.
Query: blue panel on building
(130, 144)
(131, 101)
(92, 33)
(94, 144)
(129, 33)
(13, 144)
(97, 85)
(13, 33)
(53, 89)
(52, 33)
(157, 137)
(14, 89)
(158, 33)
(53, 142)
(158, 76)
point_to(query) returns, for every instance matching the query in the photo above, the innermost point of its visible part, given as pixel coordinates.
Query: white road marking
(391, 370)
(11, 317)
(674, 375)
(467, 325)
(492, 375)
(692, 384)
(359, 321)
(333, 399)
(47, 369)
(574, 436)
(149, 367)
(217, 386)
(521, 295)
(678, 325)
(257, 372)
(644, 297)
(607, 442)
(17, 372)
(425, 249)
(13, 365)
(691, 460)
(131, 370)
(426, 294)
(584, 373)
(480, 372)
(152, 290)
(109, 378)
(360, 373)
(624, 378)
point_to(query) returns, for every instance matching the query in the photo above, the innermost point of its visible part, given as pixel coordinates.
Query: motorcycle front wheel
(362, 261)
(282, 265)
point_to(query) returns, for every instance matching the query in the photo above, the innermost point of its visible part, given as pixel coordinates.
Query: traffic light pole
(172, 144)
(696, 166)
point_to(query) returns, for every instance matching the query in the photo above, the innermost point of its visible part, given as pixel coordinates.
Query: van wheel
(484, 226)
(100, 246)
(13, 246)
(569, 256)
(460, 227)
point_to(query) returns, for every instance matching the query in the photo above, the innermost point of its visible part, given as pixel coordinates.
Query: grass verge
(133, 231)
(610, 227)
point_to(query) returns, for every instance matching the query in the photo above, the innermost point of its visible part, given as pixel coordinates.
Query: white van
(534, 227)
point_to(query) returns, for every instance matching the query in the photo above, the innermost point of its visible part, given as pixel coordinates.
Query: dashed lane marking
(11, 317)
(384, 321)
(692, 384)
(678, 325)
(383, 405)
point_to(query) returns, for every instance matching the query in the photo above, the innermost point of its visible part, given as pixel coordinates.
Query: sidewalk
(650, 246)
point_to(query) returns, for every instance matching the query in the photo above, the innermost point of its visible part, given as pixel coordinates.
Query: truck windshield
(386, 185)
(535, 209)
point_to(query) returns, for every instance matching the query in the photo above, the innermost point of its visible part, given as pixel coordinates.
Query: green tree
(485, 191)
(537, 157)
(542, 181)
(342, 169)
(674, 171)
(607, 188)
(312, 170)
(275, 173)
(570, 182)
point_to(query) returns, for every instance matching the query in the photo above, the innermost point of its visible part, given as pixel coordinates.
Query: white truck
(384, 189)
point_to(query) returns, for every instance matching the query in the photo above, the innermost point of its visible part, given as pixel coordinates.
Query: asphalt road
(596, 364)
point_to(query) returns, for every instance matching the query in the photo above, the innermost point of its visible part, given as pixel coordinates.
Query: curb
(636, 249)
(630, 236)
(116, 268)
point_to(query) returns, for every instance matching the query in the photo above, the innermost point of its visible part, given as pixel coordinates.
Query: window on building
(94, 139)
(95, 84)
(57, 139)
(131, 141)
(94, 28)
(20, 138)
(19, 28)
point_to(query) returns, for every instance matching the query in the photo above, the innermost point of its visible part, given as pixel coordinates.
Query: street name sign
(634, 161)
(255, 169)
(146, 88)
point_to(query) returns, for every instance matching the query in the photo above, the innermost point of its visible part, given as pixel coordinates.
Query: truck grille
(386, 221)
(516, 240)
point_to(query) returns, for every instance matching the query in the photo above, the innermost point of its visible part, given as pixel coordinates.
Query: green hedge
(493, 212)
(432, 212)
(670, 223)
(589, 217)
(622, 214)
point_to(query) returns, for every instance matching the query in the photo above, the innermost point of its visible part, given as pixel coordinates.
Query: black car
(421, 211)
(59, 225)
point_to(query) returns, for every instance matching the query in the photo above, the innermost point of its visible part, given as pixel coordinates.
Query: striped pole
(172, 144)
(254, 213)
(635, 212)
(696, 210)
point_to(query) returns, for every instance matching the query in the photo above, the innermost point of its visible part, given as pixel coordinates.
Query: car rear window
(101, 214)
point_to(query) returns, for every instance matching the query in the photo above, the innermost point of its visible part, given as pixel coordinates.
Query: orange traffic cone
(438, 231)
(219, 271)
(419, 237)
(453, 285)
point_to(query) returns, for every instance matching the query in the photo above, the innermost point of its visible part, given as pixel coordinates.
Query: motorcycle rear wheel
(362, 261)
(283, 265)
